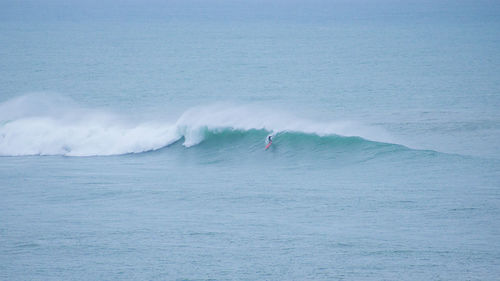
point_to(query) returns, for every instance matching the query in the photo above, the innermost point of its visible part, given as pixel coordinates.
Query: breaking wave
(48, 125)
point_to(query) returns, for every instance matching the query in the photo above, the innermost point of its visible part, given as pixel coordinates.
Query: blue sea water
(132, 140)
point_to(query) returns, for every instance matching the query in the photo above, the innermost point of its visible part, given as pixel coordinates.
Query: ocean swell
(44, 125)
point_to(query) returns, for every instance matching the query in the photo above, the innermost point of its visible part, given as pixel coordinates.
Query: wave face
(53, 125)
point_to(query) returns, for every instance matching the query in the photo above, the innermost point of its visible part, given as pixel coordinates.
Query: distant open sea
(132, 140)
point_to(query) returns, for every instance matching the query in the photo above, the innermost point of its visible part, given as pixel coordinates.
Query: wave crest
(45, 125)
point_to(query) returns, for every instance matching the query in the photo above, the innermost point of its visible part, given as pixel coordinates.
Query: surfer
(269, 141)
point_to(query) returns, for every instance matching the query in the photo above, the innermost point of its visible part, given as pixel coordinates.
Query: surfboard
(269, 144)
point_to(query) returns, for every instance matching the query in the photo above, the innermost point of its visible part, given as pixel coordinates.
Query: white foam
(32, 125)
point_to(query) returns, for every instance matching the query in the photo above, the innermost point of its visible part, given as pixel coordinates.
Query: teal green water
(132, 140)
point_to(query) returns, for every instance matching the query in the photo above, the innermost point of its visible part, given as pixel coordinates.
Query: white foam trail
(30, 125)
(48, 125)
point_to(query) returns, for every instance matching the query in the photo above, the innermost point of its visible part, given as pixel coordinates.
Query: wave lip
(196, 122)
(44, 125)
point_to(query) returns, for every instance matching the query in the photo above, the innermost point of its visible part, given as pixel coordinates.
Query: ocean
(133, 134)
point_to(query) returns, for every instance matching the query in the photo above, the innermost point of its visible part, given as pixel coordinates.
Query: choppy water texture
(132, 141)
